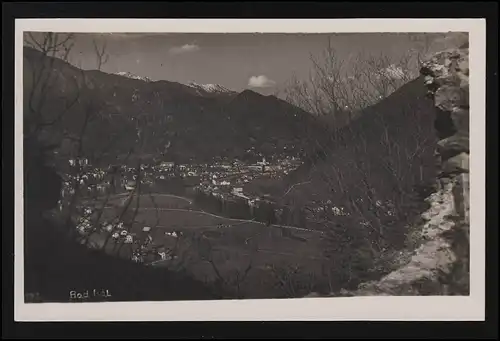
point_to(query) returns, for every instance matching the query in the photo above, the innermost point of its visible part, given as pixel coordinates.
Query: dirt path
(225, 218)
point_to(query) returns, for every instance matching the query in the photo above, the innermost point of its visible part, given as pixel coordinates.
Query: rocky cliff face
(440, 265)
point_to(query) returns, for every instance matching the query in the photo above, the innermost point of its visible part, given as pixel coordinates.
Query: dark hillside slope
(55, 265)
(367, 186)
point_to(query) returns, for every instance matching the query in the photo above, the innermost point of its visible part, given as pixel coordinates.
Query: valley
(243, 194)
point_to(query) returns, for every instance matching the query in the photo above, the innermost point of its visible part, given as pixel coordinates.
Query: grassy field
(153, 200)
(230, 248)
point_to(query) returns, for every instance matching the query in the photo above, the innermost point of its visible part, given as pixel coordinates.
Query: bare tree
(40, 79)
(369, 183)
(293, 280)
(338, 88)
(100, 52)
(325, 92)
(228, 280)
(90, 113)
(48, 107)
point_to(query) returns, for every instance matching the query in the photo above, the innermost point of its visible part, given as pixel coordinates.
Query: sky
(263, 62)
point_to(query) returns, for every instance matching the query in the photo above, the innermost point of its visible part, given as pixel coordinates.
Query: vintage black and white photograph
(202, 166)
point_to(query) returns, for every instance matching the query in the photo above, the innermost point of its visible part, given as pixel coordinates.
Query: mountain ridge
(210, 88)
(198, 126)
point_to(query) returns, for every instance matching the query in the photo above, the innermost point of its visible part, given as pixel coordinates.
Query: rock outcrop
(440, 265)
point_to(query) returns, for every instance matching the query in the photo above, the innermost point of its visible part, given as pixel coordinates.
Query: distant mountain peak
(132, 76)
(250, 94)
(210, 88)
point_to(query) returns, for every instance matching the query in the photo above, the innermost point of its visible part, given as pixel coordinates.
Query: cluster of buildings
(229, 179)
(221, 175)
(223, 178)
(327, 208)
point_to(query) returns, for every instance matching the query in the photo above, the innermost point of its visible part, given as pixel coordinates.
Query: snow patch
(132, 76)
(210, 88)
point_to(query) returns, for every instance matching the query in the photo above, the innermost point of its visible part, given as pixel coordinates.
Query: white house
(82, 228)
(130, 185)
(129, 239)
(163, 255)
(124, 233)
(263, 162)
(137, 258)
(146, 229)
(167, 165)
(116, 235)
(252, 203)
(171, 234)
(101, 188)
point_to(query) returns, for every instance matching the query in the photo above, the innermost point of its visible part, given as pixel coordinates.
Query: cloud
(184, 49)
(261, 82)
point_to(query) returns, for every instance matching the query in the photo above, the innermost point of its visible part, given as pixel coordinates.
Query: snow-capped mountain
(131, 75)
(229, 123)
(210, 88)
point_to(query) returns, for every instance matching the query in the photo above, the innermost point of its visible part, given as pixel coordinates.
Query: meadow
(246, 257)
